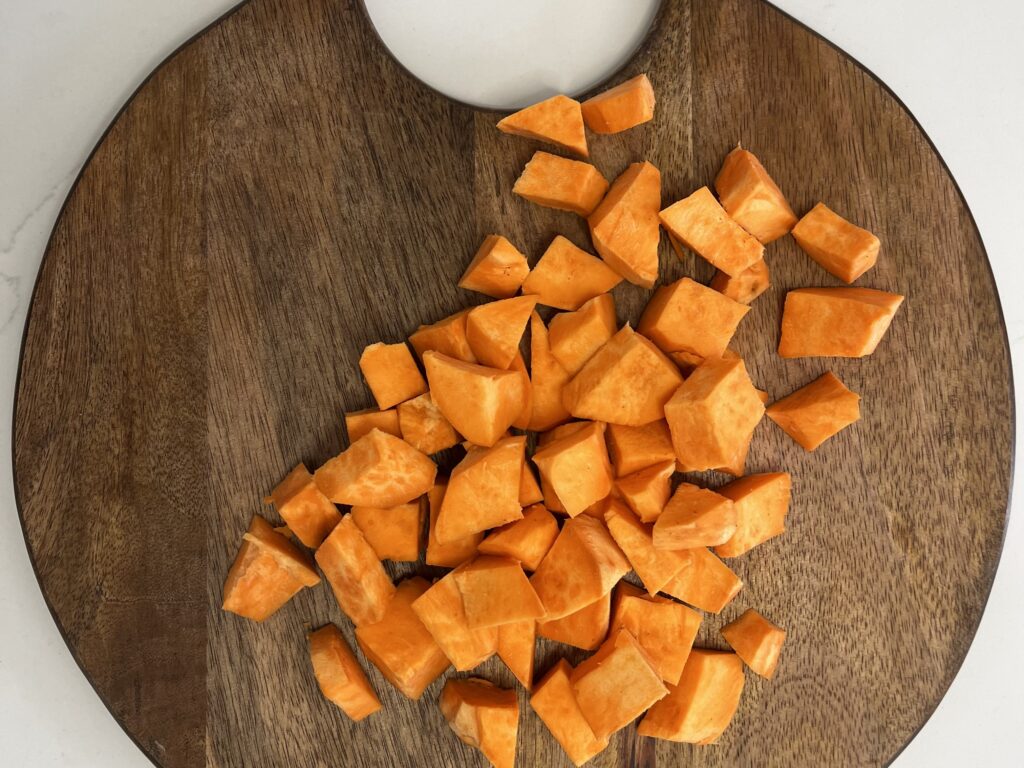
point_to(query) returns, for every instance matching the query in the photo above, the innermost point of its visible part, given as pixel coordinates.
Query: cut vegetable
(529, 490)
(391, 374)
(585, 628)
(359, 423)
(516, 645)
(636, 448)
(548, 378)
(302, 505)
(756, 640)
(841, 248)
(495, 329)
(655, 567)
(489, 475)
(702, 225)
(705, 582)
(816, 412)
(554, 702)
(339, 675)
(761, 503)
(522, 421)
(566, 276)
(496, 591)
(446, 336)
(393, 533)
(577, 468)
(689, 317)
(647, 491)
(424, 427)
(664, 628)
(751, 198)
(454, 553)
(575, 336)
(746, 286)
(835, 322)
(526, 540)
(497, 269)
(355, 573)
(695, 517)
(624, 227)
(441, 611)
(557, 182)
(620, 108)
(483, 716)
(558, 121)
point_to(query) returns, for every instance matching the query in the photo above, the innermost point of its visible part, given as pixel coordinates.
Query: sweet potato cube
(497, 269)
(557, 120)
(355, 573)
(713, 414)
(695, 517)
(529, 490)
(664, 629)
(393, 533)
(701, 707)
(647, 491)
(495, 329)
(751, 198)
(547, 379)
(582, 565)
(816, 412)
(526, 540)
(835, 322)
(377, 470)
(554, 702)
(339, 675)
(655, 567)
(359, 423)
(761, 503)
(636, 448)
(575, 336)
(495, 591)
(689, 317)
(266, 574)
(703, 226)
(424, 427)
(518, 365)
(841, 248)
(453, 553)
(517, 642)
(309, 514)
(620, 108)
(391, 373)
(577, 468)
(441, 610)
(628, 381)
(557, 182)
(566, 276)
(483, 491)
(562, 430)
(585, 628)
(616, 685)
(624, 227)
(705, 582)
(400, 646)
(483, 716)
(446, 336)
(756, 640)
(480, 402)
(746, 286)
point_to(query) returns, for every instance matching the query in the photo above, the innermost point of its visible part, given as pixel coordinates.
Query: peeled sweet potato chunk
(302, 505)
(452, 553)
(664, 629)
(575, 336)
(339, 675)
(529, 490)
(620, 108)
(566, 276)
(817, 411)
(751, 198)
(394, 534)
(483, 491)
(497, 269)
(703, 226)
(547, 378)
(835, 322)
(704, 582)
(495, 591)
(483, 716)
(359, 423)
(522, 421)
(526, 540)
(355, 573)
(554, 702)
(695, 517)
(655, 567)
(756, 640)
(495, 329)
(424, 427)
(557, 182)
(585, 628)
(841, 248)
(761, 503)
(441, 610)
(557, 120)
(446, 336)
(517, 642)
(647, 491)
(636, 448)
(689, 317)
(746, 286)
(577, 468)
(624, 227)
(391, 374)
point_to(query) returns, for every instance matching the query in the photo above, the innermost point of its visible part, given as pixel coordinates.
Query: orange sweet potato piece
(526, 540)
(557, 120)
(713, 414)
(391, 373)
(483, 491)
(302, 505)
(359, 423)
(393, 533)
(636, 448)
(751, 198)
(557, 182)
(817, 411)
(516, 645)
(701, 224)
(355, 573)
(547, 378)
(585, 628)
(761, 503)
(447, 336)
(841, 248)
(664, 629)
(495, 591)
(835, 322)
(647, 491)
(554, 702)
(497, 269)
(526, 412)
(756, 640)
(746, 286)
(689, 317)
(705, 582)
(701, 707)
(377, 470)
(655, 567)
(339, 675)
(454, 553)
(582, 565)
(424, 427)
(266, 574)
(483, 716)
(566, 276)
(575, 336)
(620, 108)
(480, 402)
(695, 517)
(441, 611)
(617, 684)
(495, 329)
(628, 381)
(400, 646)
(529, 491)
(577, 468)
(562, 430)
(624, 227)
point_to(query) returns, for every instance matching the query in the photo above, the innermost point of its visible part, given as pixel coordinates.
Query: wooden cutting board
(281, 193)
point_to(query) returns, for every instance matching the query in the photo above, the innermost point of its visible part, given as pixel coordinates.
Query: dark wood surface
(282, 193)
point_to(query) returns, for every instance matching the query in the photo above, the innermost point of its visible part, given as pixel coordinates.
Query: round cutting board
(281, 193)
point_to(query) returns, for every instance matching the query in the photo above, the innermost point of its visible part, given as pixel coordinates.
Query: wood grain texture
(282, 193)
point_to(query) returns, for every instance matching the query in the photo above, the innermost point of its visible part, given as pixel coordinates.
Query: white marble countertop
(66, 67)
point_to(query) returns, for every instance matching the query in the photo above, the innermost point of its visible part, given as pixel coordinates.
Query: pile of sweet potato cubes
(607, 416)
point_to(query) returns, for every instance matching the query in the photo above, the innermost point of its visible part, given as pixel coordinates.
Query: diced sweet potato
(529, 490)
(701, 707)
(424, 427)
(689, 317)
(377, 470)
(841, 248)
(400, 646)
(355, 573)
(557, 182)
(339, 675)
(557, 120)
(453, 553)
(483, 491)
(480, 402)
(738, 465)
(494, 329)
(817, 411)
(554, 702)
(526, 413)
(655, 567)
(577, 468)
(647, 491)
(746, 286)
(497, 269)
(835, 322)
(393, 533)
(526, 540)
(562, 430)
(713, 414)
(628, 381)
(751, 198)
(582, 565)
(624, 227)
(547, 378)
(446, 336)
(359, 423)
(266, 574)
(756, 640)
(575, 336)
(705, 582)
(441, 611)
(391, 374)
(310, 515)
(566, 276)
(483, 716)
(703, 226)
(761, 503)
(585, 628)
(664, 629)
(636, 448)
(495, 591)
(516, 645)
(616, 685)
(695, 517)
(620, 108)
